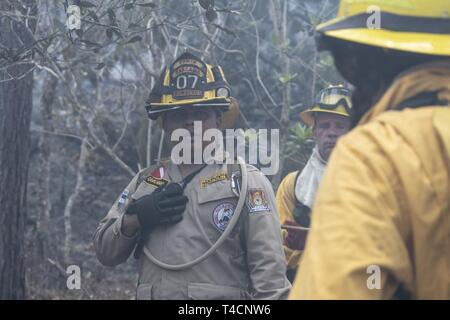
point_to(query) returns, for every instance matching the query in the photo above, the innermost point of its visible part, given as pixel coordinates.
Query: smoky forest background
(73, 127)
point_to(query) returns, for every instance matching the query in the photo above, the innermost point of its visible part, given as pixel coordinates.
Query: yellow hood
(431, 77)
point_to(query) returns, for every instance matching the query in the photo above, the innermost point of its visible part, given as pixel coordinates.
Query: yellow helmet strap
(394, 22)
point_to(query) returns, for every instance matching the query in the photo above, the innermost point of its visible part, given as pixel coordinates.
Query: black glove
(164, 206)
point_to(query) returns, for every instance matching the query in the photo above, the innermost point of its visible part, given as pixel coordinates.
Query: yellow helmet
(333, 99)
(419, 26)
(188, 83)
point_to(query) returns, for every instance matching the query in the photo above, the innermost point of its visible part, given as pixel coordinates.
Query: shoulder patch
(219, 176)
(256, 201)
(156, 177)
(157, 182)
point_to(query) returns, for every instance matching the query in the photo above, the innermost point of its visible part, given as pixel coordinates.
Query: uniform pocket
(217, 204)
(206, 291)
(144, 292)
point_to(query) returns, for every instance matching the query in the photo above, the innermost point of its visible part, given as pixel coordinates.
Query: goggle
(331, 95)
(341, 102)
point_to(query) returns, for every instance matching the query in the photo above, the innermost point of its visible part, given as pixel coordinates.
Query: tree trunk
(71, 201)
(280, 25)
(43, 245)
(16, 85)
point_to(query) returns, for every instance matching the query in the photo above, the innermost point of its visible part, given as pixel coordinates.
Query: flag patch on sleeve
(123, 198)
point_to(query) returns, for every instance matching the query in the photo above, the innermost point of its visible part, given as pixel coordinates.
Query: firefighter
(200, 230)
(329, 118)
(380, 224)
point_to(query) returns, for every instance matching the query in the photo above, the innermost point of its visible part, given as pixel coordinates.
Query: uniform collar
(174, 174)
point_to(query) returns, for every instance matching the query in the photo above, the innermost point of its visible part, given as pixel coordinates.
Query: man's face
(327, 129)
(184, 119)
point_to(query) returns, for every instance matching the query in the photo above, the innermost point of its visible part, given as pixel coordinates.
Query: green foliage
(284, 79)
(106, 76)
(300, 143)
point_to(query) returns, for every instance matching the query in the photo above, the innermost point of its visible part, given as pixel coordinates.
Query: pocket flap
(217, 191)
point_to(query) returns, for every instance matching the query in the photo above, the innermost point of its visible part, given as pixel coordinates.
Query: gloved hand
(164, 206)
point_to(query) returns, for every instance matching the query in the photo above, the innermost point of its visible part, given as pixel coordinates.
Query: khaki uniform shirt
(250, 263)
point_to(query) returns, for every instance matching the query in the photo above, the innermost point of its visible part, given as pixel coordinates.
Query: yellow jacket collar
(430, 77)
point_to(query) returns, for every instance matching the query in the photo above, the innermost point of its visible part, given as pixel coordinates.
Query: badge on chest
(222, 215)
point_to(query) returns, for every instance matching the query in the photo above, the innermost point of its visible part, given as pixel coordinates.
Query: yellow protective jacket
(383, 207)
(285, 201)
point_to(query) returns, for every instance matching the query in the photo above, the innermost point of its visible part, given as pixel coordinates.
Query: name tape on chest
(204, 182)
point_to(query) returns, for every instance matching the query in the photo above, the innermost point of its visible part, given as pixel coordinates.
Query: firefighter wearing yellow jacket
(329, 118)
(381, 220)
